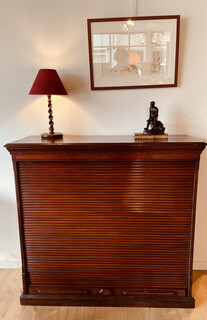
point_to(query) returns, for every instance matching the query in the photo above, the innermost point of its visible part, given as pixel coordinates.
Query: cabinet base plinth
(111, 301)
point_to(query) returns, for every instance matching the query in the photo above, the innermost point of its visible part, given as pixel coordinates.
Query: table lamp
(48, 82)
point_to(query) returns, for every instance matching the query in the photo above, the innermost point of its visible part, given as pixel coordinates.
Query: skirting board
(10, 264)
(199, 265)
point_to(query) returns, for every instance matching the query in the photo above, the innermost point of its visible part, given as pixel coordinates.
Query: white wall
(53, 34)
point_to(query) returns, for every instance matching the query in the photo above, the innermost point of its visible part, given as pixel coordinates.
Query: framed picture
(138, 52)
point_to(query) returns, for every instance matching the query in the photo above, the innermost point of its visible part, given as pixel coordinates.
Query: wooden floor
(10, 309)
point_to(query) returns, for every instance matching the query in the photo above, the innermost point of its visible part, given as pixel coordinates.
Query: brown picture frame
(133, 52)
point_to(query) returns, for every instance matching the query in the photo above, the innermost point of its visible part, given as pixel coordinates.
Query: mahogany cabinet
(106, 221)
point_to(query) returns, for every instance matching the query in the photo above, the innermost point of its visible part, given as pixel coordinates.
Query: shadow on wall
(75, 84)
(201, 217)
(9, 238)
(182, 45)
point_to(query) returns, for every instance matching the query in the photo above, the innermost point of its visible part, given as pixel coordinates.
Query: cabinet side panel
(25, 277)
(124, 226)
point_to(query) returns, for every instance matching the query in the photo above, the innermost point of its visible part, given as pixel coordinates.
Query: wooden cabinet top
(176, 145)
(72, 139)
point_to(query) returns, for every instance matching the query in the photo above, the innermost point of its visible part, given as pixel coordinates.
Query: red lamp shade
(48, 82)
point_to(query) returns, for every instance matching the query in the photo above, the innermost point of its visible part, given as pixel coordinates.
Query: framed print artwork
(138, 52)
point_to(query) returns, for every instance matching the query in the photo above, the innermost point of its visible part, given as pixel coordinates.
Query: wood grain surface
(107, 223)
(10, 308)
(90, 225)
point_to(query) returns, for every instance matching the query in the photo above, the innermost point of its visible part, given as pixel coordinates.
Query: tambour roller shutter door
(122, 225)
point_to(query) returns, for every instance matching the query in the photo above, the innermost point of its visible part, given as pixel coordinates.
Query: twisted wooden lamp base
(51, 134)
